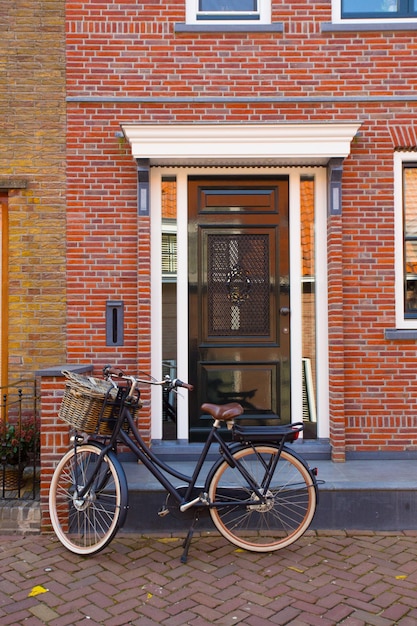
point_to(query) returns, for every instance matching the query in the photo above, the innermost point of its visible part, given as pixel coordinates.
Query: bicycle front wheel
(86, 524)
(270, 523)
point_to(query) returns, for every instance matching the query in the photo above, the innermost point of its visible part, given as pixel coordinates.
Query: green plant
(17, 440)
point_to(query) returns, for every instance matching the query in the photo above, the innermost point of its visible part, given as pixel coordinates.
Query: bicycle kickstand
(187, 541)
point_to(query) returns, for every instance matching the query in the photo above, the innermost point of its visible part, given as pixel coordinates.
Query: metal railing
(19, 440)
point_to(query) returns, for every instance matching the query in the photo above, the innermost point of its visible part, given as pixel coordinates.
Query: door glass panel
(248, 385)
(308, 281)
(169, 301)
(238, 284)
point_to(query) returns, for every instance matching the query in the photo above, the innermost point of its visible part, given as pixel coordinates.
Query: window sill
(278, 27)
(401, 334)
(353, 27)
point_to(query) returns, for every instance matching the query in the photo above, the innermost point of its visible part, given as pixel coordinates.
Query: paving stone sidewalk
(354, 579)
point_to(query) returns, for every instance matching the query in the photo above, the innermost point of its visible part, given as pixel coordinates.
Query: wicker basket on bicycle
(89, 404)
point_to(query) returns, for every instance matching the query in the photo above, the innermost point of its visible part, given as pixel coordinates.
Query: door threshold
(183, 450)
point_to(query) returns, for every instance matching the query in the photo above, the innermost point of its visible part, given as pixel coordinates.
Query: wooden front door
(239, 297)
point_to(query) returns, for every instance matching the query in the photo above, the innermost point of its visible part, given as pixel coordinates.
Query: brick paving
(327, 578)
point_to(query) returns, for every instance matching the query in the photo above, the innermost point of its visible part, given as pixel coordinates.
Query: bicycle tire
(288, 511)
(86, 526)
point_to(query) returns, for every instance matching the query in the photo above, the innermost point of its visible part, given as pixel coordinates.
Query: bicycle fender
(299, 458)
(124, 492)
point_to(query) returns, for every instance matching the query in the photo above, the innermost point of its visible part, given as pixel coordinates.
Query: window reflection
(308, 279)
(410, 240)
(228, 5)
(369, 6)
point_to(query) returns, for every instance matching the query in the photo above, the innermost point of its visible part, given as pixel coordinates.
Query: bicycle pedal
(163, 511)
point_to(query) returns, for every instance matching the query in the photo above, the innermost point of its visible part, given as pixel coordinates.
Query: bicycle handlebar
(179, 383)
(109, 371)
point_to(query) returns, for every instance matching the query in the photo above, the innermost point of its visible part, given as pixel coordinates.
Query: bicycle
(261, 495)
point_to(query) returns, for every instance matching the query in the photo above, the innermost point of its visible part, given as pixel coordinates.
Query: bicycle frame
(156, 466)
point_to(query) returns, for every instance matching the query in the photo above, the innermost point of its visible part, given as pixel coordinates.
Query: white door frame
(294, 174)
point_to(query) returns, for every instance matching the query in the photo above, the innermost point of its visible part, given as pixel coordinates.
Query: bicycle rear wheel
(85, 525)
(263, 526)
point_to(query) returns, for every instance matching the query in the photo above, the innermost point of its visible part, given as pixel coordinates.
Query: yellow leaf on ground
(38, 589)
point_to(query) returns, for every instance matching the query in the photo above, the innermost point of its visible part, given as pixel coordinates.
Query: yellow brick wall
(32, 173)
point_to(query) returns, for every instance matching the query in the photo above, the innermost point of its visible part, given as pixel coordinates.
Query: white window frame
(337, 17)
(263, 16)
(399, 159)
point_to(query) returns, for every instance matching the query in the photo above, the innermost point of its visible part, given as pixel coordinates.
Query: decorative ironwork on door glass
(238, 285)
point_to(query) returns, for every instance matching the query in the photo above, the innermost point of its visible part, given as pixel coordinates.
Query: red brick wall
(54, 438)
(132, 50)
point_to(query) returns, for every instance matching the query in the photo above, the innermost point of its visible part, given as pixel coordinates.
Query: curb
(20, 517)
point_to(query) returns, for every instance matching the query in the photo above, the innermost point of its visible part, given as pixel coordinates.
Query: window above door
(228, 12)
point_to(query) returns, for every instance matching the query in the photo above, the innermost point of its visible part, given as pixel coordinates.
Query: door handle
(284, 310)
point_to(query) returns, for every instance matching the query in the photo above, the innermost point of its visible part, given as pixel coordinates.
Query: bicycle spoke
(85, 522)
(262, 518)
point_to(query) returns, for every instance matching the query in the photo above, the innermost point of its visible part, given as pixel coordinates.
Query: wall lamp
(334, 186)
(143, 166)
